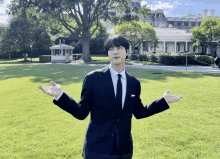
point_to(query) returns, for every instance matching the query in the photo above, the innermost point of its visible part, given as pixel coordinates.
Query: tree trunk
(85, 49)
(25, 57)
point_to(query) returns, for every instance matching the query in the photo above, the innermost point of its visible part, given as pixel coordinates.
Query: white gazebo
(61, 53)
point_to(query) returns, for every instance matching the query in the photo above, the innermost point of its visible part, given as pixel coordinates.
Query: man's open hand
(53, 90)
(171, 98)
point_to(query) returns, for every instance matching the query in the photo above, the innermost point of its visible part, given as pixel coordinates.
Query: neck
(119, 67)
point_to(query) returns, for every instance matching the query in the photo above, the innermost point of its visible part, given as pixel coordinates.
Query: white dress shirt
(114, 75)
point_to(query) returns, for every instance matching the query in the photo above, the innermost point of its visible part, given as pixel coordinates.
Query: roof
(61, 46)
(171, 32)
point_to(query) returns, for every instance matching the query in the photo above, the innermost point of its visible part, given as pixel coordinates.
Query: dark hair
(117, 41)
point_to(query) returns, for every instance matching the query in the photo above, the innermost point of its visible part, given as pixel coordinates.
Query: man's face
(117, 55)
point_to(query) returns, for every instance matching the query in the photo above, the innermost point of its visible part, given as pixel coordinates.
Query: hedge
(174, 59)
(44, 58)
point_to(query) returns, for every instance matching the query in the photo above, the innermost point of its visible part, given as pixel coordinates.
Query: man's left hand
(171, 98)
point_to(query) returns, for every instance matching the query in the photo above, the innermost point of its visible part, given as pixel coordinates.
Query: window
(186, 24)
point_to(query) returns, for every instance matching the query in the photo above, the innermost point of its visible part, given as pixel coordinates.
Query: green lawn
(33, 127)
(18, 60)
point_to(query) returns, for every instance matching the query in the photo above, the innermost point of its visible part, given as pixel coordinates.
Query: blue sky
(178, 8)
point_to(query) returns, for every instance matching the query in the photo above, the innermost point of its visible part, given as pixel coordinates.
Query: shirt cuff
(59, 96)
(165, 99)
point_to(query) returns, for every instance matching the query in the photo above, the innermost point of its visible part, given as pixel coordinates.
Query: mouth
(116, 58)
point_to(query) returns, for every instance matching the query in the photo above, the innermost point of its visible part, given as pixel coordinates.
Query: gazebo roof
(61, 46)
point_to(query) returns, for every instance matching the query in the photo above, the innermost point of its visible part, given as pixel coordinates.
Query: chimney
(212, 13)
(205, 13)
(59, 41)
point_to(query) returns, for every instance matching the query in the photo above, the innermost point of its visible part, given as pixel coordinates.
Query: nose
(115, 51)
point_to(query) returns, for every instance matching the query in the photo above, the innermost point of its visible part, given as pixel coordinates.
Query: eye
(119, 48)
(110, 48)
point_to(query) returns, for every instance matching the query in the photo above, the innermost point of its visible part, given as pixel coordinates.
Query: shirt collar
(115, 73)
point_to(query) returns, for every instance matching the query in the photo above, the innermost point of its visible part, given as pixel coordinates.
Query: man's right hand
(53, 90)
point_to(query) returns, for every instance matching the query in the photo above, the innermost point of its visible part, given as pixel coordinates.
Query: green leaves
(136, 32)
(208, 32)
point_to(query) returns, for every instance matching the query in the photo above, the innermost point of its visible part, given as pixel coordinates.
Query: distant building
(173, 32)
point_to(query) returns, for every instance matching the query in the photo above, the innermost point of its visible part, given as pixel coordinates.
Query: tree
(25, 29)
(126, 13)
(207, 33)
(137, 33)
(85, 14)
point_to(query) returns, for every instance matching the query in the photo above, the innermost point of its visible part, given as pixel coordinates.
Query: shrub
(133, 57)
(176, 60)
(77, 56)
(44, 58)
(205, 60)
(143, 57)
(152, 58)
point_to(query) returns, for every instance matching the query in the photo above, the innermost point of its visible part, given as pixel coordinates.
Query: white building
(173, 32)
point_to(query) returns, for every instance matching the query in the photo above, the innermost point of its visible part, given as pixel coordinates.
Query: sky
(172, 8)
(178, 8)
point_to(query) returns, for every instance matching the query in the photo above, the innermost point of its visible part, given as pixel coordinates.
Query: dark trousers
(116, 153)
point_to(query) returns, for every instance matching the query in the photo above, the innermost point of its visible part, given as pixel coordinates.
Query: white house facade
(173, 32)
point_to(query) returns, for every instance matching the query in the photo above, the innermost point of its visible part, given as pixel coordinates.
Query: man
(111, 100)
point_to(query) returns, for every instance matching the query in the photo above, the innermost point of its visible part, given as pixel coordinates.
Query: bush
(44, 58)
(133, 57)
(152, 58)
(205, 60)
(181, 60)
(77, 56)
(143, 57)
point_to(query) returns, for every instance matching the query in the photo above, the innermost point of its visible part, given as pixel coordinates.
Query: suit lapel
(108, 83)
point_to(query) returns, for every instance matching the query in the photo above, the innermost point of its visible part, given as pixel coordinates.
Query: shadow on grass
(62, 74)
(66, 74)
(18, 61)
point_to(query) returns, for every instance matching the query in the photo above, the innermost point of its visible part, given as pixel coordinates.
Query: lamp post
(186, 59)
(31, 52)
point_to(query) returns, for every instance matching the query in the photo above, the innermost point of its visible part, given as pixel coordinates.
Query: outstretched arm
(140, 111)
(78, 110)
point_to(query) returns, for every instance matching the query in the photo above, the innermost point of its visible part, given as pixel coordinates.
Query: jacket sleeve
(156, 106)
(78, 110)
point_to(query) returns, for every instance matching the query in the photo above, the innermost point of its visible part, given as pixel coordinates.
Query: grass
(33, 127)
(18, 60)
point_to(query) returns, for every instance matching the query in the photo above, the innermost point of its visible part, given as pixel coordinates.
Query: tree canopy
(137, 33)
(85, 14)
(208, 32)
(25, 29)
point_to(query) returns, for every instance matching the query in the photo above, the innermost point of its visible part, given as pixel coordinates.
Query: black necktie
(119, 103)
(119, 92)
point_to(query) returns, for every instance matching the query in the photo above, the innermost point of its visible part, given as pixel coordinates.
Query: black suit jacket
(107, 120)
